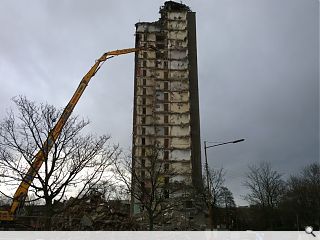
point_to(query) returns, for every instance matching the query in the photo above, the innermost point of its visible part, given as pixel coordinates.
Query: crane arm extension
(40, 157)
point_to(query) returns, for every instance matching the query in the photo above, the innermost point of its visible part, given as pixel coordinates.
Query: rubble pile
(181, 217)
(94, 213)
(187, 219)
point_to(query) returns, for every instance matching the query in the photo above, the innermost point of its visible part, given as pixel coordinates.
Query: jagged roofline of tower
(174, 6)
(168, 6)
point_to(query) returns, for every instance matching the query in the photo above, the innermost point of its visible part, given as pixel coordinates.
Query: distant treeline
(275, 203)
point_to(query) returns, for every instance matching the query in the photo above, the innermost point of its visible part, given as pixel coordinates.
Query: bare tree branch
(265, 185)
(150, 182)
(75, 163)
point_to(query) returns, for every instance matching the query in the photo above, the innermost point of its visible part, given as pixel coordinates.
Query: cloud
(258, 71)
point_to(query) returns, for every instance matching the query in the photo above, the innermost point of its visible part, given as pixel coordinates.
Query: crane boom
(22, 190)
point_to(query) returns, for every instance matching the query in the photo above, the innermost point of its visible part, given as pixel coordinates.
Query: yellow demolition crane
(21, 193)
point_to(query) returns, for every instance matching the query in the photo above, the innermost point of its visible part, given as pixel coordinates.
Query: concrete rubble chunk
(86, 221)
(94, 213)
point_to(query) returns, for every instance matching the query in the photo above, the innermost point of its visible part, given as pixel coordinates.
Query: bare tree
(226, 209)
(111, 190)
(301, 202)
(215, 188)
(266, 189)
(226, 200)
(150, 182)
(265, 185)
(216, 195)
(75, 162)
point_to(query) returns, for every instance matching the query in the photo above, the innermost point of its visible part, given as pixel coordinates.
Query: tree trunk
(48, 216)
(150, 221)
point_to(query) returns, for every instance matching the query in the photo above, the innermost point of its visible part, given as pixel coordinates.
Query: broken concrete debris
(95, 213)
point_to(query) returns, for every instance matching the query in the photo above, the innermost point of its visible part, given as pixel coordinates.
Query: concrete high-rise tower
(166, 102)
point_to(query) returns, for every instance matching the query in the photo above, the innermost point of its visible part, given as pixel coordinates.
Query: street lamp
(207, 173)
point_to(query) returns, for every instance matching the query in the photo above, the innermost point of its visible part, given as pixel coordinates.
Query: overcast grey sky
(258, 63)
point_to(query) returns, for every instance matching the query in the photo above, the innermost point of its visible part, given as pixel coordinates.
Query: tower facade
(166, 102)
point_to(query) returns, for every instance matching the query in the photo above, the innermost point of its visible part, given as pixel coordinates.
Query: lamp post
(207, 174)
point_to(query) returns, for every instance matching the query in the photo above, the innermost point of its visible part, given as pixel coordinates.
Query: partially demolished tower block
(166, 102)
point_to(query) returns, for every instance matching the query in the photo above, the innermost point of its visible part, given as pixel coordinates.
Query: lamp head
(239, 140)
